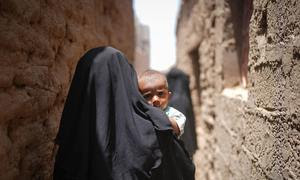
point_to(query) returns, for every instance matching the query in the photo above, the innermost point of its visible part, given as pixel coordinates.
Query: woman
(107, 129)
(181, 100)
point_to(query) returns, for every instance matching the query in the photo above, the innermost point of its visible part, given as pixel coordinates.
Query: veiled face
(155, 91)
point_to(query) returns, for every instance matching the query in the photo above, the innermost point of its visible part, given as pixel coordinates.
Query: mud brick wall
(249, 132)
(40, 44)
(274, 89)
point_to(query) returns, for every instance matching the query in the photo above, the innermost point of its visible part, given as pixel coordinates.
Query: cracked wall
(40, 43)
(251, 132)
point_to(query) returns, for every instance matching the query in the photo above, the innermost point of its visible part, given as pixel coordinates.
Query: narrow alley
(242, 58)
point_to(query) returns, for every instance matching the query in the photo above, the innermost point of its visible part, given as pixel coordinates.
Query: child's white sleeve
(179, 118)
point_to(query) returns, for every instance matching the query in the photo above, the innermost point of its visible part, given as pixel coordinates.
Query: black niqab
(107, 129)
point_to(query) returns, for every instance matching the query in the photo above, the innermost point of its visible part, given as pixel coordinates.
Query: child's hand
(174, 125)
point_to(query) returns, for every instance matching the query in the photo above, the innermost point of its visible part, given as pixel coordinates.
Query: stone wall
(252, 132)
(274, 88)
(40, 44)
(201, 42)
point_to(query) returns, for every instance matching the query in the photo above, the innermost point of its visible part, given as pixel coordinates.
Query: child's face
(155, 91)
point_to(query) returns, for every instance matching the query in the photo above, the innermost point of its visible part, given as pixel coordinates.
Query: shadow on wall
(241, 11)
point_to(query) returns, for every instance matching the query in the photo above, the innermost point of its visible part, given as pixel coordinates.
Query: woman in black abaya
(181, 100)
(107, 129)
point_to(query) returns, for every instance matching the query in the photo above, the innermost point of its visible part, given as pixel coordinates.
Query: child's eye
(160, 94)
(147, 96)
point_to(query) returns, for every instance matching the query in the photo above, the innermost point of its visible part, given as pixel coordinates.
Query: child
(154, 87)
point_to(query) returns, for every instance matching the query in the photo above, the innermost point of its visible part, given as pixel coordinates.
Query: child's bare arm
(174, 125)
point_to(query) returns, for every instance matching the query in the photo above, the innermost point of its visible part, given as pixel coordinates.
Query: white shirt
(178, 116)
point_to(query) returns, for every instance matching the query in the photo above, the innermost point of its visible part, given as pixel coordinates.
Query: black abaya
(107, 129)
(181, 100)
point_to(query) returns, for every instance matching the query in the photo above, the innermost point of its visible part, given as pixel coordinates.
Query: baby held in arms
(153, 86)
